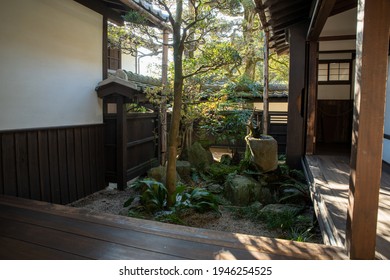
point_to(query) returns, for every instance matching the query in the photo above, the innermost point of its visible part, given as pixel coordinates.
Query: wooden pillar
(295, 125)
(121, 143)
(311, 97)
(266, 83)
(372, 45)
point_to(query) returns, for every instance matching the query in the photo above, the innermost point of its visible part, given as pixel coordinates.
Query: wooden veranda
(40, 230)
(329, 181)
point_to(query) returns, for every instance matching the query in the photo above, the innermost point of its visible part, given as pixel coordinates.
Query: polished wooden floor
(38, 230)
(329, 176)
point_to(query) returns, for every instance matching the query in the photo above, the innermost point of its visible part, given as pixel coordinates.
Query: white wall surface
(129, 62)
(334, 92)
(51, 61)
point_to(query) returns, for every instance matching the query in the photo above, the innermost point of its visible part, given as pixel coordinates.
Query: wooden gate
(131, 139)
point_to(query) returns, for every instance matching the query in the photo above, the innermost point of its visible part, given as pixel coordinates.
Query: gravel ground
(110, 200)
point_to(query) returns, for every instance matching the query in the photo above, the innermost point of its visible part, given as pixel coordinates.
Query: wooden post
(372, 45)
(163, 116)
(121, 143)
(312, 98)
(266, 83)
(295, 124)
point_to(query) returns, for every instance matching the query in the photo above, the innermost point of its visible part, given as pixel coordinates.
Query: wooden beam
(153, 19)
(373, 25)
(321, 13)
(337, 38)
(311, 97)
(99, 7)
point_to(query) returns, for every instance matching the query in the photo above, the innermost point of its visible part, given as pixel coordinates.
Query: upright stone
(264, 152)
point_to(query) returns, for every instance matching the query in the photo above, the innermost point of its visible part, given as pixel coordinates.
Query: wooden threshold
(39, 230)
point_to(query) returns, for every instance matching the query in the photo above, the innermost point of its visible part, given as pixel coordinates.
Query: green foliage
(136, 108)
(283, 220)
(153, 195)
(218, 172)
(135, 17)
(294, 181)
(197, 199)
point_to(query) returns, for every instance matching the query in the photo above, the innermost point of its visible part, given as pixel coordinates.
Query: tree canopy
(217, 46)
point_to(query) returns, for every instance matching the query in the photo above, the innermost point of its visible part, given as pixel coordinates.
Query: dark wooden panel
(71, 161)
(57, 165)
(1, 166)
(54, 167)
(22, 173)
(92, 158)
(334, 121)
(86, 164)
(79, 163)
(33, 165)
(9, 164)
(63, 166)
(100, 158)
(44, 173)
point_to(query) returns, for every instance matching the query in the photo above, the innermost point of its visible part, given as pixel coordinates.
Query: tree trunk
(178, 48)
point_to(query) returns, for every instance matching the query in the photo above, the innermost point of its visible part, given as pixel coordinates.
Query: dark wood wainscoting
(58, 165)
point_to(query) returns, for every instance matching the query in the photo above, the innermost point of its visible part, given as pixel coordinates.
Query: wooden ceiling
(277, 15)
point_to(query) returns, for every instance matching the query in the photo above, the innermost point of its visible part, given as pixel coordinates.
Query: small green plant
(197, 199)
(299, 190)
(152, 195)
(284, 220)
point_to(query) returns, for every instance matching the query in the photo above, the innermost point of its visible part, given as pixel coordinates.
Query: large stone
(264, 152)
(183, 168)
(159, 174)
(242, 191)
(199, 157)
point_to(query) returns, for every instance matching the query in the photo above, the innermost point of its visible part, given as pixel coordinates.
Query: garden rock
(183, 168)
(272, 209)
(215, 188)
(264, 152)
(159, 174)
(199, 157)
(242, 191)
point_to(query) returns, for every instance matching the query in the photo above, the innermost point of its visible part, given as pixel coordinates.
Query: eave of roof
(278, 15)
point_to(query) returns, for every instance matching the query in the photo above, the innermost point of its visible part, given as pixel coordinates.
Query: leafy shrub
(152, 195)
(218, 172)
(197, 199)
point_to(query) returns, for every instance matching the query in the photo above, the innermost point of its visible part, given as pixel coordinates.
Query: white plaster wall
(334, 92)
(129, 62)
(340, 24)
(51, 61)
(341, 45)
(386, 143)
